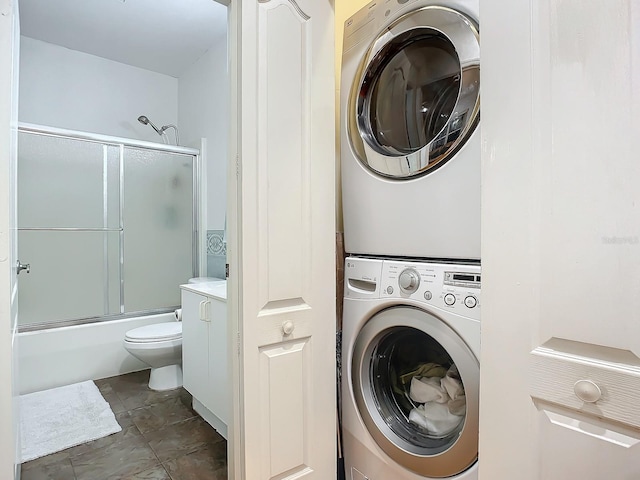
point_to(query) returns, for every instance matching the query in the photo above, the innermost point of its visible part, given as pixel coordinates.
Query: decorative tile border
(216, 254)
(215, 243)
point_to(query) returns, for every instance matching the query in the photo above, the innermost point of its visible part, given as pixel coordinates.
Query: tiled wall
(216, 254)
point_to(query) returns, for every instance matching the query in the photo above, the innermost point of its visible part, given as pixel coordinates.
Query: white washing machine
(410, 146)
(410, 370)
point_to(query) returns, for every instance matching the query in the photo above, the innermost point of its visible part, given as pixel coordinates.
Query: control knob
(409, 280)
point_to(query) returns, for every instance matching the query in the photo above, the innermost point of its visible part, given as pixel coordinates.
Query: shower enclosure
(108, 226)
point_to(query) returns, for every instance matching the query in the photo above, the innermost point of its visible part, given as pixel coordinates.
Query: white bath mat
(63, 417)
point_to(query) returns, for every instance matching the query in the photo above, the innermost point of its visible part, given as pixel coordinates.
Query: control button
(409, 280)
(389, 289)
(470, 301)
(449, 299)
(427, 295)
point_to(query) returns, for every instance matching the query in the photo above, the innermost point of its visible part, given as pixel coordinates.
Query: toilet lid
(155, 333)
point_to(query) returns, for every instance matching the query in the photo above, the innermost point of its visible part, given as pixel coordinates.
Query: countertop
(215, 289)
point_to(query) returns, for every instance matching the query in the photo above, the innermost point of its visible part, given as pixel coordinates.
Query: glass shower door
(68, 228)
(107, 225)
(159, 231)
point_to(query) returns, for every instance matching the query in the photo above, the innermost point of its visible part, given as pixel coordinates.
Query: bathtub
(61, 356)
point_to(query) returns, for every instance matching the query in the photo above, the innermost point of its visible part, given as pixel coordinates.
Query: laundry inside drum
(417, 389)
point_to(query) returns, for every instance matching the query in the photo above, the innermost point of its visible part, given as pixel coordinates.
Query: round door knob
(409, 280)
(587, 391)
(287, 327)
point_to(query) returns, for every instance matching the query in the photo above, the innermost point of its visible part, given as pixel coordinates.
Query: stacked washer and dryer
(410, 154)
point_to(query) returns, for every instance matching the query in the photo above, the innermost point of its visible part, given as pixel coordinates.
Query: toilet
(160, 346)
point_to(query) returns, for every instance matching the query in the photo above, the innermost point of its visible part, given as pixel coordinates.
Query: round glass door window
(416, 100)
(416, 386)
(417, 389)
(412, 95)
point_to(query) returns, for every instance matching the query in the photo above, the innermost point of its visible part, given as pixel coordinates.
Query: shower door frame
(121, 143)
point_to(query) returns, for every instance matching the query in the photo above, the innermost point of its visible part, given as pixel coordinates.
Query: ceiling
(164, 36)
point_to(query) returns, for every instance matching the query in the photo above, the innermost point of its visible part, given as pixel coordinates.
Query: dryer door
(415, 382)
(416, 98)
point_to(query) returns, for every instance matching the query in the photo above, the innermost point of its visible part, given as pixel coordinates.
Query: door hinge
(237, 165)
(226, 270)
(238, 343)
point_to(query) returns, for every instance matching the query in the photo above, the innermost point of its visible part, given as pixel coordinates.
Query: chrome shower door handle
(20, 267)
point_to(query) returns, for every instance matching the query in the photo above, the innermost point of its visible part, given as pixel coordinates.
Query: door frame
(235, 439)
(9, 41)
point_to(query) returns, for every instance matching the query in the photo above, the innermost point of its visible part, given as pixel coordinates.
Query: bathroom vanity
(204, 351)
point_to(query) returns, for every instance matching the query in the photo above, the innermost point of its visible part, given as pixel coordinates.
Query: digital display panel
(464, 277)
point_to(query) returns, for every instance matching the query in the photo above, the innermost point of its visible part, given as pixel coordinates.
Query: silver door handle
(20, 267)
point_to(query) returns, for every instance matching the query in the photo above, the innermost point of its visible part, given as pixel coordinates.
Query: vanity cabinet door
(195, 345)
(218, 400)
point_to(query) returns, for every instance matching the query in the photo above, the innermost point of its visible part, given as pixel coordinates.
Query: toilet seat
(159, 332)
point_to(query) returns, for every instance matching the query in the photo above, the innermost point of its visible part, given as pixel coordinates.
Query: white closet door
(560, 363)
(286, 252)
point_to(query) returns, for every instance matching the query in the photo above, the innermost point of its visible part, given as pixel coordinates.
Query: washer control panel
(449, 286)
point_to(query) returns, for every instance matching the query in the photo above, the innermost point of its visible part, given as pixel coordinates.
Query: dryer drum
(409, 99)
(416, 98)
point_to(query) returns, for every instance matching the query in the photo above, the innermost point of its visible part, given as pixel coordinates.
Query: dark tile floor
(162, 438)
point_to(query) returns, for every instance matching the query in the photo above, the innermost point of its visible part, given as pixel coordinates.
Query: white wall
(203, 112)
(74, 90)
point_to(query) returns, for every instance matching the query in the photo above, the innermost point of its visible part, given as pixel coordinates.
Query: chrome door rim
(463, 453)
(463, 35)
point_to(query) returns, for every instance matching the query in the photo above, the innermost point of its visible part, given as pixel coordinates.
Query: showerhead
(145, 121)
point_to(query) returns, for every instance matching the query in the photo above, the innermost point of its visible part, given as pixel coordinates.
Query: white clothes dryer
(410, 146)
(410, 370)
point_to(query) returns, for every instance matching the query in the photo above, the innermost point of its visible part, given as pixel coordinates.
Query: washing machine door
(416, 385)
(416, 98)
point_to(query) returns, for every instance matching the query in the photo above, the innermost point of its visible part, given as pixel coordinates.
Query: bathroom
(108, 245)
(91, 93)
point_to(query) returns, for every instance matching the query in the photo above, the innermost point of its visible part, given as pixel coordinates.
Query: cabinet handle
(204, 311)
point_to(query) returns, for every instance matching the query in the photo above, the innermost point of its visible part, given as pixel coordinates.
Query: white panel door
(9, 41)
(287, 224)
(560, 363)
